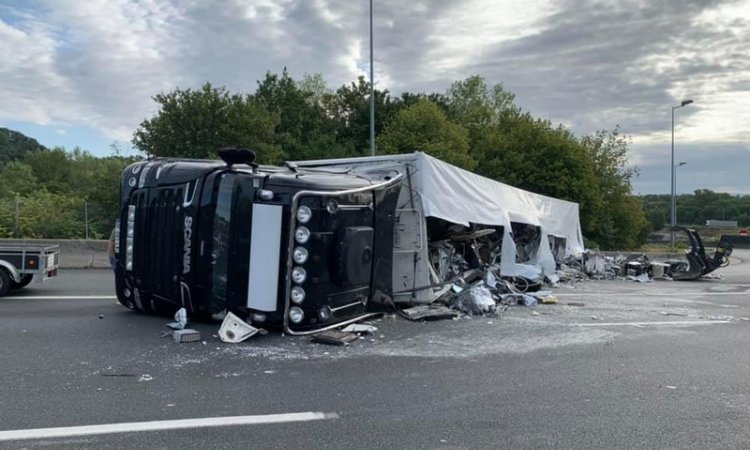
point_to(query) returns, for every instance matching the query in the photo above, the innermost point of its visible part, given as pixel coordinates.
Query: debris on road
(334, 337)
(429, 312)
(234, 330)
(180, 320)
(360, 328)
(476, 300)
(642, 278)
(186, 335)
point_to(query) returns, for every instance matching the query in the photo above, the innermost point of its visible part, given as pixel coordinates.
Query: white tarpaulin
(463, 197)
(434, 188)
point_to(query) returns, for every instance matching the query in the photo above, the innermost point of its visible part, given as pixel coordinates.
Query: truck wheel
(25, 280)
(4, 282)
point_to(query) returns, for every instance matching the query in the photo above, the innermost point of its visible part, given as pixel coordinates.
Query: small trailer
(21, 263)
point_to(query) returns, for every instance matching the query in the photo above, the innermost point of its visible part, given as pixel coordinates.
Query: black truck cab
(279, 246)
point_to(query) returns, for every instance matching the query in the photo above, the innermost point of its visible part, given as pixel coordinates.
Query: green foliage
(424, 127)
(194, 124)
(53, 188)
(303, 131)
(15, 146)
(349, 108)
(621, 222)
(17, 178)
(696, 208)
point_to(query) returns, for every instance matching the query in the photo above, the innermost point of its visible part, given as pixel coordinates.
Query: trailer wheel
(25, 280)
(4, 282)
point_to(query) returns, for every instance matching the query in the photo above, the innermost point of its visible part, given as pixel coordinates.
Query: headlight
(300, 255)
(296, 314)
(304, 214)
(298, 295)
(302, 235)
(325, 313)
(131, 181)
(332, 206)
(299, 275)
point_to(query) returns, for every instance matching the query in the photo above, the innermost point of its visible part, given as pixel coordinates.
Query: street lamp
(674, 203)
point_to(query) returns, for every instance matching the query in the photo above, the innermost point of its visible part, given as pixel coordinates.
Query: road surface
(657, 365)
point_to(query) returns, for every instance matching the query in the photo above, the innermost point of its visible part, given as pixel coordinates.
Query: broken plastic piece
(334, 337)
(360, 328)
(429, 312)
(180, 320)
(234, 330)
(186, 335)
(642, 278)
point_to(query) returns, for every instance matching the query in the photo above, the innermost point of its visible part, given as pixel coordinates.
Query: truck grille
(159, 240)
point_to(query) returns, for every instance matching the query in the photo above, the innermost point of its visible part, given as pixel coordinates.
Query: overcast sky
(82, 72)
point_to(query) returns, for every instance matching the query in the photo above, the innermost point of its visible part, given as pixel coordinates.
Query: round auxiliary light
(325, 313)
(298, 295)
(265, 194)
(126, 292)
(302, 235)
(299, 275)
(296, 314)
(300, 255)
(332, 206)
(131, 182)
(304, 214)
(258, 317)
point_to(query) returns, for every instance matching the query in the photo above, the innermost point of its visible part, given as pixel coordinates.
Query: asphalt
(652, 365)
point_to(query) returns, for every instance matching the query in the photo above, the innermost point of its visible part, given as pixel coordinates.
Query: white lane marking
(60, 297)
(641, 324)
(647, 294)
(159, 425)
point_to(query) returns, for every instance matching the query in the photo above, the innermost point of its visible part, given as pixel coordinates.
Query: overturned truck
(316, 244)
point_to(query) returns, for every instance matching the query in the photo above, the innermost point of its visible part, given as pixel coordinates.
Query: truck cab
(282, 247)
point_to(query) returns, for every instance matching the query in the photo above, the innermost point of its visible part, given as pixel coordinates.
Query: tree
(14, 146)
(622, 222)
(349, 107)
(195, 124)
(424, 127)
(17, 178)
(303, 131)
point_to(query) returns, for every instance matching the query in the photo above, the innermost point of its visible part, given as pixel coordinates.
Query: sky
(82, 72)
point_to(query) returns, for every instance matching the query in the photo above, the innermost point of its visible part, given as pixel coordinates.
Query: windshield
(230, 240)
(220, 241)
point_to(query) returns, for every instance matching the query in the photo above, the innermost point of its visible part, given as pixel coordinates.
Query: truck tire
(4, 282)
(25, 280)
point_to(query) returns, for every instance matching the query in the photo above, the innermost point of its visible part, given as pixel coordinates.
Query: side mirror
(231, 156)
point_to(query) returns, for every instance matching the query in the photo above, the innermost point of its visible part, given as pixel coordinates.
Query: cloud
(588, 64)
(721, 167)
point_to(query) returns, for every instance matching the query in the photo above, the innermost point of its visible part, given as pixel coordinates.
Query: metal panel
(265, 253)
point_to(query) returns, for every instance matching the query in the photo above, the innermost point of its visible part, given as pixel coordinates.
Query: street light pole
(372, 93)
(672, 166)
(675, 187)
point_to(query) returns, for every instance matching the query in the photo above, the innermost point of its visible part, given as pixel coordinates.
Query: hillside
(15, 145)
